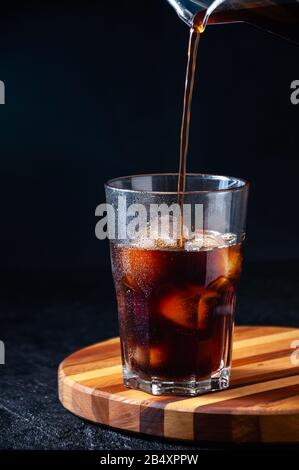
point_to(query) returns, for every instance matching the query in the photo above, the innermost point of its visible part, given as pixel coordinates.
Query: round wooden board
(262, 404)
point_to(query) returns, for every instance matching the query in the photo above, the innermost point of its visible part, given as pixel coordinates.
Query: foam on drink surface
(200, 240)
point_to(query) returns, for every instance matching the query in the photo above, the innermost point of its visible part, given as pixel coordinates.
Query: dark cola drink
(176, 308)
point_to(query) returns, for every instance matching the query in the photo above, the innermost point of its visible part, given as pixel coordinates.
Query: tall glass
(176, 286)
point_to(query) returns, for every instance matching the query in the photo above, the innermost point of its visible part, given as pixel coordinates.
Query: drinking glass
(176, 286)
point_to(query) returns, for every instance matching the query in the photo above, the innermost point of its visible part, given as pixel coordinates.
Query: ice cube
(229, 238)
(161, 232)
(180, 305)
(224, 293)
(220, 285)
(226, 261)
(234, 262)
(153, 356)
(157, 355)
(204, 240)
(142, 268)
(166, 231)
(139, 355)
(145, 243)
(129, 283)
(207, 301)
(143, 240)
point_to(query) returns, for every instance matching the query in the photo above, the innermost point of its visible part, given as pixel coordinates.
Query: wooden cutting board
(262, 404)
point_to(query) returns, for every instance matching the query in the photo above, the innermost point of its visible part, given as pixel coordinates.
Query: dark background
(93, 91)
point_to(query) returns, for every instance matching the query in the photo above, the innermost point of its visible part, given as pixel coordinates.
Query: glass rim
(245, 184)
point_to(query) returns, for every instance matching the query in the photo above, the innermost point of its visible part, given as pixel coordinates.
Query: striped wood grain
(262, 404)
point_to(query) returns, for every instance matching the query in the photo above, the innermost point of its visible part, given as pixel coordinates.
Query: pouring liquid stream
(185, 129)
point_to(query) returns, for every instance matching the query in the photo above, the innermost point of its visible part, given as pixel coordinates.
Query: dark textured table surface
(45, 318)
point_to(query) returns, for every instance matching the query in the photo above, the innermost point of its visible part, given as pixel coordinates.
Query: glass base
(192, 388)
